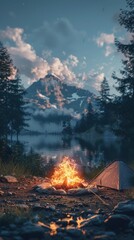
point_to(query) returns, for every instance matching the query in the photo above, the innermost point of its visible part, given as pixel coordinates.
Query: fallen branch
(98, 197)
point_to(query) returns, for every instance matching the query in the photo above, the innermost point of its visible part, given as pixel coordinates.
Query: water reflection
(88, 154)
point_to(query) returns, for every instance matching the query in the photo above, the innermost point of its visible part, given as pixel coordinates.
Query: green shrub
(19, 163)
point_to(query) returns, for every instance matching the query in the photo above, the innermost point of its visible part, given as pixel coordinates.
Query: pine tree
(125, 83)
(6, 68)
(104, 101)
(104, 91)
(12, 104)
(17, 106)
(87, 119)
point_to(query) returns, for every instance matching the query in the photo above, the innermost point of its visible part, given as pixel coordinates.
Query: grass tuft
(19, 163)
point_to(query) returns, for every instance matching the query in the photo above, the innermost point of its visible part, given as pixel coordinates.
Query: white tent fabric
(117, 176)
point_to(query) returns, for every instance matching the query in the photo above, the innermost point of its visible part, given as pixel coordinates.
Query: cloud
(105, 38)
(97, 79)
(108, 50)
(33, 67)
(72, 61)
(22, 49)
(40, 69)
(100, 77)
(58, 36)
(62, 70)
(30, 64)
(91, 80)
(107, 41)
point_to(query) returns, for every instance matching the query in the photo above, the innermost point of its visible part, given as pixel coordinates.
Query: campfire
(66, 179)
(66, 175)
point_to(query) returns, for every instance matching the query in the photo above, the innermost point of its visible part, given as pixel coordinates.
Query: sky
(73, 39)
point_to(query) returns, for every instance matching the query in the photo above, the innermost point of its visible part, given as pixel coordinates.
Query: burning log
(66, 175)
(66, 179)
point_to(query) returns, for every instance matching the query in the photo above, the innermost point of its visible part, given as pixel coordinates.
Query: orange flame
(66, 175)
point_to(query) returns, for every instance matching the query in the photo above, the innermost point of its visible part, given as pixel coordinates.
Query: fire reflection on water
(52, 227)
(79, 221)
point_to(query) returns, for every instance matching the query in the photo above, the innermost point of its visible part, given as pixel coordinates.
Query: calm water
(93, 154)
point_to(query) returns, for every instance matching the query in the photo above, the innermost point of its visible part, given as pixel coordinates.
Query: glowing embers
(66, 175)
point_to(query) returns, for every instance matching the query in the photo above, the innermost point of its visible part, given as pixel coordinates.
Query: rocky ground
(28, 214)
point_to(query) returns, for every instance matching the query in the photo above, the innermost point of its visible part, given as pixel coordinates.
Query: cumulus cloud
(22, 49)
(41, 68)
(23, 54)
(72, 61)
(105, 38)
(97, 78)
(30, 64)
(62, 70)
(33, 67)
(107, 41)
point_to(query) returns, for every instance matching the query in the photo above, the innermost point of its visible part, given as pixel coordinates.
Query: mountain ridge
(51, 92)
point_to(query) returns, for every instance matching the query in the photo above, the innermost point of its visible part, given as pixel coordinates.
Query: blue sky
(73, 39)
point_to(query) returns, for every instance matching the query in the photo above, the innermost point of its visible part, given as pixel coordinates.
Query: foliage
(124, 103)
(93, 173)
(17, 106)
(14, 214)
(87, 120)
(105, 104)
(12, 112)
(67, 129)
(18, 163)
(6, 70)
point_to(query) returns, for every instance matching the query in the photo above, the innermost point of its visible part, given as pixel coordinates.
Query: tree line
(12, 103)
(117, 111)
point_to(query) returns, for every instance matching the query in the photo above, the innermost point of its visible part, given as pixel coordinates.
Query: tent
(117, 176)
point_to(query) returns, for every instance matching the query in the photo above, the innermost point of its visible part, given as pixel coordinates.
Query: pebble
(8, 179)
(22, 206)
(77, 191)
(32, 231)
(62, 223)
(117, 222)
(104, 237)
(75, 233)
(5, 233)
(11, 194)
(12, 226)
(17, 238)
(1, 193)
(37, 207)
(95, 220)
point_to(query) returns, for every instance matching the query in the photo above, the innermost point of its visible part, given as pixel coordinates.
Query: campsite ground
(21, 200)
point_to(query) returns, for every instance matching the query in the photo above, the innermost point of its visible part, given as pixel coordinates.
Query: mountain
(51, 92)
(52, 100)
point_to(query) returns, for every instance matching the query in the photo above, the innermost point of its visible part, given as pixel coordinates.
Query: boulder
(49, 190)
(8, 179)
(125, 207)
(117, 222)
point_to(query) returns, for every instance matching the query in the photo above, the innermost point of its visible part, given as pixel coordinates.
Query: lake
(92, 154)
